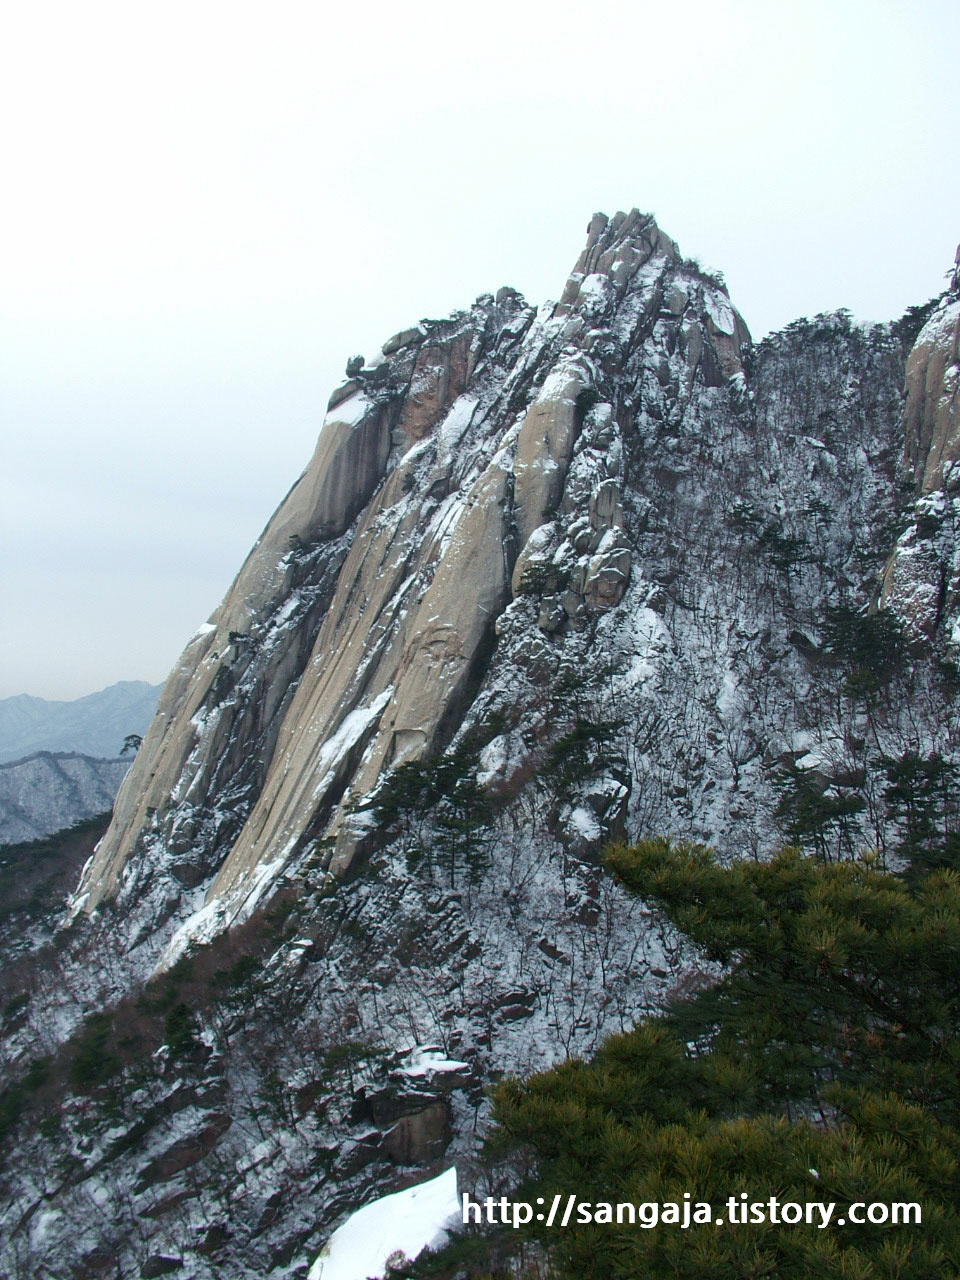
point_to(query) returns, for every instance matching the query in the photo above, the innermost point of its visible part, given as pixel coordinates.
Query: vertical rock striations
(358, 629)
(552, 577)
(922, 577)
(616, 483)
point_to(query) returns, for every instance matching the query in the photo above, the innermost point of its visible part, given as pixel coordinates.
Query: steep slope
(51, 790)
(95, 725)
(922, 577)
(552, 575)
(261, 747)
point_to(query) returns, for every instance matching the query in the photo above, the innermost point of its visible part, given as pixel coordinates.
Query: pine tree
(823, 1064)
(817, 816)
(921, 796)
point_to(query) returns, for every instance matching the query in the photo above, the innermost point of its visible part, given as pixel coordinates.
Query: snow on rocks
(679, 517)
(426, 1062)
(399, 1225)
(350, 411)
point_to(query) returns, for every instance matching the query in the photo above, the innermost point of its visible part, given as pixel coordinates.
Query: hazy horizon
(209, 211)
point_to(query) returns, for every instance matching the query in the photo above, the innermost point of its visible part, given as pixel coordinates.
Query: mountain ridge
(95, 724)
(555, 576)
(48, 791)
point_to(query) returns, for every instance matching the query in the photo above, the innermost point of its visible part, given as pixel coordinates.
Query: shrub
(93, 1061)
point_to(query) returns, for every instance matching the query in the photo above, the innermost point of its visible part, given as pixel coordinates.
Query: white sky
(207, 207)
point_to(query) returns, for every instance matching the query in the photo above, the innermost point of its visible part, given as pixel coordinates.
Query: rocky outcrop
(579, 569)
(354, 635)
(185, 1152)
(479, 466)
(921, 580)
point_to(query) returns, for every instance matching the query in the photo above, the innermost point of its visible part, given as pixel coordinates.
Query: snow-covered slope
(393, 1228)
(52, 790)
(554, 575)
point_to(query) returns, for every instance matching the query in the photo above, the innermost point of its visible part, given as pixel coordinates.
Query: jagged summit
(596, 569)
(356, 635)
(353, 637)
(616, 248)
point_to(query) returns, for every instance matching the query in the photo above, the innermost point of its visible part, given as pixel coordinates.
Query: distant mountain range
(94, 726)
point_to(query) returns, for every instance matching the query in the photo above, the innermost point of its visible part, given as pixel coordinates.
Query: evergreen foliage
(582, 752)
(921, 796)
(590, 744)
(180, 1030)
(439, 809)
(908, 327)
(870, 645)
(93, 1059)
(814, 815)
(35, 875)
(823, 1065)
(786, 551)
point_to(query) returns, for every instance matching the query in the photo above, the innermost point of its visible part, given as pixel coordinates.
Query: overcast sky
(207, 207)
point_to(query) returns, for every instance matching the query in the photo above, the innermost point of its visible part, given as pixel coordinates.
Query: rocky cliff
(553, 575)
(922, 577)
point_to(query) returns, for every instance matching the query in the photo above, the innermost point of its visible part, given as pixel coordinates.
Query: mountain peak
(554, 578)
(95, 724)
(616, 249)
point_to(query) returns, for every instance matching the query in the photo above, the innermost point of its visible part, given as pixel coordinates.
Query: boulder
(608, 573)
(405, 338)
(606, 506)
(932, 412)
(160, 1264)
(419, 1138)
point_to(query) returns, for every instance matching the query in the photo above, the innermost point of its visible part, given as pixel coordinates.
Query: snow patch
(202, 926)
(556, 386)
(584, 822)
(42, 1227)
(720, 312)
(266, 873)
(593, 290)
(428, 1062)
(455, 424)
(350, 411)
(406, 1222)
(939, 328)
(346, 737)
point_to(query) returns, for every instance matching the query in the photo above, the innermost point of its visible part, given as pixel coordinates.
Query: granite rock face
(921, 580)
(554, 576)
(355, 633)
(491, 458)
(932, 413)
